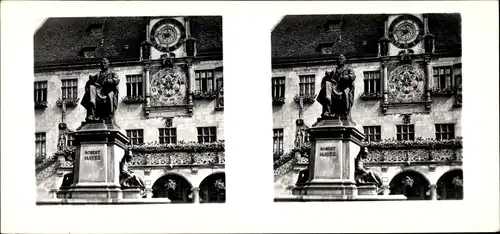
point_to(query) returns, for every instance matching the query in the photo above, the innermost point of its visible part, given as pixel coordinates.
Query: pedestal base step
(319, 198)
(123, 201)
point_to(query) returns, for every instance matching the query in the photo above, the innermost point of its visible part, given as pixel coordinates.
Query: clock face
(406, 31)
(167, 35)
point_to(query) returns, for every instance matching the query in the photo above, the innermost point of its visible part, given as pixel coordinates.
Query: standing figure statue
(362, 174)
(337, 91)
(101, 94)
(127, 177)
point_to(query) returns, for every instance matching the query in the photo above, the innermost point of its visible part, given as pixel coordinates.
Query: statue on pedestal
(337, 91)
(101, 94)
(362, 174)
(127, 177)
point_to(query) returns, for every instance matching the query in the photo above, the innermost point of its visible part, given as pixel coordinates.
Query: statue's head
(342, 59)
(104, 64)
(363, 152)
(127, 156)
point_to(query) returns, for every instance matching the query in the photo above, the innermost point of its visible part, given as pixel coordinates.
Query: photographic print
(367, 107)
(129, 110)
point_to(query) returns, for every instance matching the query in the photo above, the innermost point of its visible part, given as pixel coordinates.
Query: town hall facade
(170, 99)
(407, 96)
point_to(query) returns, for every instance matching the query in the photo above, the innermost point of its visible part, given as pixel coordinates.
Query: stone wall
(365, 112)
(128, 116)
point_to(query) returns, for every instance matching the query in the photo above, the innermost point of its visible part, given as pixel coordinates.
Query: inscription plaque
(328, 162)
(92, 165)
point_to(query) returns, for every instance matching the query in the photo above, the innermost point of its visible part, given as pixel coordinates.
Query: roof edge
(318, 60)
(116, 62)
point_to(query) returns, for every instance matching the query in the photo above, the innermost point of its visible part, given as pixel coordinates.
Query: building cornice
(115, 62)
(322, 60)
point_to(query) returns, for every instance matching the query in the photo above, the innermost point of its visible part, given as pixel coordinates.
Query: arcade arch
(213, 188)
(410, 183)
(450, 185)
(173, 186)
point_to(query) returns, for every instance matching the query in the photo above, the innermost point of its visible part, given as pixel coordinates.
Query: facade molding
(116, 63)
(321, 60)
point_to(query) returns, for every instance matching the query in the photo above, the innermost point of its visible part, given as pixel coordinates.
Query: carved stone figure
(303, 177)
(127, 177)
(67, 180)
(300, 134)
(101, 94)
(384, 46)
(362, 174)
(337, 91)
(145, 50)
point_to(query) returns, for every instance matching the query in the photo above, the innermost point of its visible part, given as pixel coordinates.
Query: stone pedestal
(100, 147)
(131, 193)
(335, 144)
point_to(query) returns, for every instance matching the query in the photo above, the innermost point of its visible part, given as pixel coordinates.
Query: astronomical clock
(406, 76)
(168, 67)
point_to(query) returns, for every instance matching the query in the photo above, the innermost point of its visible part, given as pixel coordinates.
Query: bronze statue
(362, 174)
(337, 91)
(101, 94)
(127, 177)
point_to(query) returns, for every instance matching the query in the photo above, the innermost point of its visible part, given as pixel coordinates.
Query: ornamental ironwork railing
(182, 153)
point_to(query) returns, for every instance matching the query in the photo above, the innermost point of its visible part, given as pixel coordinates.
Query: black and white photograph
(117, 116)
(367, 107)
(129, 110)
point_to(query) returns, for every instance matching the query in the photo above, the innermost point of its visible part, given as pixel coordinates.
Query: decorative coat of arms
(406, 84)
(168, 87)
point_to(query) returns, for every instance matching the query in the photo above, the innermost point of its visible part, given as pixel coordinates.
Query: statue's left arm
(350, 75)
(114, 79)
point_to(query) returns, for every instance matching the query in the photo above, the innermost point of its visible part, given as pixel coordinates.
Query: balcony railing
(182, 153)
(418, 151)
(394, 151)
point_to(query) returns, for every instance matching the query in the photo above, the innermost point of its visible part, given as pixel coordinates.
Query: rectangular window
(306, 85)
(70, 141)
(278, 87)
(372, 133)
(220, 92)
(372, 82)
(204, 80)
(207, 134)
(134, 85)
(442, 77)
(278, 140)
(405, 132)
(40, 145)
(168, 135)
(69, 89)
(445, 131)
(40, 91)
(136, 136)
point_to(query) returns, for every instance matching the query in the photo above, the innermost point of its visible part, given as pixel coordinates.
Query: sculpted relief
(406, 83)
(168, 86)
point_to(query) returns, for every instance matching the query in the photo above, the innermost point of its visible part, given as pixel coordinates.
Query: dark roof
(447, 29)
(300, 35)
(61, 40)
